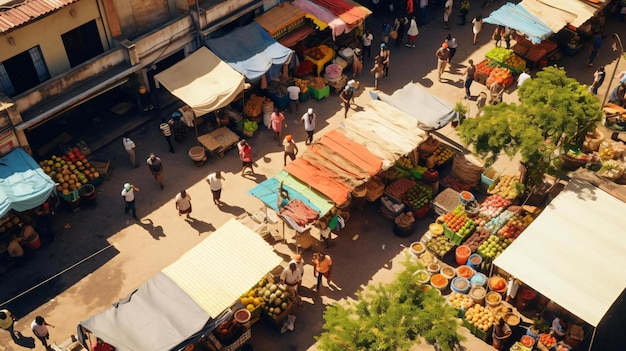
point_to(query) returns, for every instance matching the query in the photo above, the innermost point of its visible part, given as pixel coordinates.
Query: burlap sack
(467, 169)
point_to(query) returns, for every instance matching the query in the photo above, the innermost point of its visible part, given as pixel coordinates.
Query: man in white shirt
(523, 77)
(128, 193)
(292, 278)
(129, 146)
(308, 119)
(447, 11)
(215, 182)
(294, 97)
(367, 39)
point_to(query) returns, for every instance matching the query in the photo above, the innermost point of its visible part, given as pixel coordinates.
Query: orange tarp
(320, 178)
(346, 11)
(355, 152)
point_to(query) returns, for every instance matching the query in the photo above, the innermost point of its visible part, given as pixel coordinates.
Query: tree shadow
(234, 210)
(155, 231)
(24, 341)
(201, 226)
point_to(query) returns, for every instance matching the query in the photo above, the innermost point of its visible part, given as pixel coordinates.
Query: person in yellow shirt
(322, 267)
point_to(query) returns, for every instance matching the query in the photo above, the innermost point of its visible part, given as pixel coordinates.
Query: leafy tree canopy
(555, 112)
(391, 317)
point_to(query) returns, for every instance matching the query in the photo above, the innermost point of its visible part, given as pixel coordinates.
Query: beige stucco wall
(46, 33)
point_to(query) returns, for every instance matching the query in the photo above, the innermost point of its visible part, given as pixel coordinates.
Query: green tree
(555, 113)
(391, 317)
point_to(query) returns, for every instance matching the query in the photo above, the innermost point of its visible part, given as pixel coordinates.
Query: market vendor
(29, 236)
(292, 278)
(15, 250)
(100, 345)
(496, 89)
(283, 197)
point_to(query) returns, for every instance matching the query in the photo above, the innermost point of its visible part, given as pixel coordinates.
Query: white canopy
(558, 13)
(202, 81)
(573, 253)
(217, 271)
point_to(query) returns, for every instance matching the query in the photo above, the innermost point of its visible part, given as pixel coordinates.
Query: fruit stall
(76, 176)
(501, 65)
(186, 301)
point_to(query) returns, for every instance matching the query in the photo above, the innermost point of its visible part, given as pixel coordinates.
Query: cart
(338, 83)
(219, 141)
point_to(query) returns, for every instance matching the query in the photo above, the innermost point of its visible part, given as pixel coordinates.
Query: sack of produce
(467, 169)
(592, 141)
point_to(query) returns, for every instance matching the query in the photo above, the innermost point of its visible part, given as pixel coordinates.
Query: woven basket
(571, 163)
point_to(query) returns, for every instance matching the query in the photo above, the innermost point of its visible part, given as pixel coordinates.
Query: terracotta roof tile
(29, 10)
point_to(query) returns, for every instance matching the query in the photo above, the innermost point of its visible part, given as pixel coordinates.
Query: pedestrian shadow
(234, 210)
(155, 231)
(256, 177)
(457, 83)
(24, 341)
(201, 226)
(267, 159)
(426, 82)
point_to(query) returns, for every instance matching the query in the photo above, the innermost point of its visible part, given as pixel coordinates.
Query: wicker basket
(571, 163)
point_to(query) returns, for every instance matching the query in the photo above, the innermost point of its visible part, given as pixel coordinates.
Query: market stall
(202, 81)
(251, 51)
(583, 222)
(430, 112)
(187, 300)
(286, 23)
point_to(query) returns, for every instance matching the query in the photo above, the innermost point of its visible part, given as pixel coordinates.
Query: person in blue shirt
(594, 50)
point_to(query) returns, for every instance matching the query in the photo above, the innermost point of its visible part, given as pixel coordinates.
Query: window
(23, 71)
(82, 43)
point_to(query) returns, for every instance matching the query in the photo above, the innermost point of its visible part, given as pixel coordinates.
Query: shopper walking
(215, 182)
(357, 63)
(384, 32)
(377, 70)
(477, 26)
(40, 329)
(595, 48)
(385, 58)
(291, 149)
(277, 120)
(297, 259)
(524, 76)
(322, 264)
(598, 79)
(412, 33)
(128, 194)
(292, 278)
(183, 203)
(156, 168)
(506, 36)
(166, 130)
(469, 78)
(245, 155)
(443, 55)
(452, 45)
(366, 41)
(447, 11)
(308, 119)
(497, 35)
(400, 28)
(346, 96)
(129, 146)
(423, 12)
(7, 322)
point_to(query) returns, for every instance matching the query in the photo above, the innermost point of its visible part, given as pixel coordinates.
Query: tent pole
(593, 336)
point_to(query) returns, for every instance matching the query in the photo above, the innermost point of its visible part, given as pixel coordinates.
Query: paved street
(101, 255)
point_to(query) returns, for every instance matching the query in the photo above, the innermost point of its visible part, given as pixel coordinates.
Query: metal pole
(621, 52)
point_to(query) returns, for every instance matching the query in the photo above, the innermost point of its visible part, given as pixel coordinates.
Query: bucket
(477, 293)
(35, 243)
(478, 279)
(417, 248)
(87, 192)
(463, 252)
(460, 285)
(525, 296)
(474, 261)
(466, 196)
(197, 153)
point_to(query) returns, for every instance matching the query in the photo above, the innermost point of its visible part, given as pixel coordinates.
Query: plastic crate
(482, 335)
(452, 236)
(467, 324)
(245, 336)
(488, 177)
(319, 94)
(305, 96)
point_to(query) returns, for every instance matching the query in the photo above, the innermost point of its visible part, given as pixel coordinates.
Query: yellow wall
(46, 33)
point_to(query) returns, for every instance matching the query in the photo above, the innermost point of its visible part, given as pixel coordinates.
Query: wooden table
(218, 141)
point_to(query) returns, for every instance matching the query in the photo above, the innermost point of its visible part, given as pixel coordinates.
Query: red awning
(345, 10)
(296, 36)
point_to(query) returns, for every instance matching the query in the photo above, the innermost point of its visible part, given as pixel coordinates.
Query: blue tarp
(250, 50)
(267, 192)
(516, 17)
(23, 184)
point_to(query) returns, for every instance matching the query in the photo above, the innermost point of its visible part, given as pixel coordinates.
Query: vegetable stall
(195, 300)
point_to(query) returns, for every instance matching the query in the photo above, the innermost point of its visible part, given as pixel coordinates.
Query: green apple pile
(440, 245)
(493, 246)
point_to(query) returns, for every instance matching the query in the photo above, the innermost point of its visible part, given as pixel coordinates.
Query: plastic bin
(319, 94)
(488, 177)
